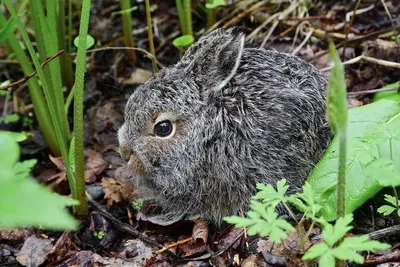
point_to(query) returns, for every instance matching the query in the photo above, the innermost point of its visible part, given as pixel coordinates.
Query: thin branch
(24, 79)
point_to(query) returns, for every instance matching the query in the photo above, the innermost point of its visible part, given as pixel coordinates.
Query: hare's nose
(126, 151)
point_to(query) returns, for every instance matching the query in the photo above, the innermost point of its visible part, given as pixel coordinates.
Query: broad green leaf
(183, 41)
(18, 137)
(89, 41)
(9, 152)
(337, 104)
(361, 186)
(25, 203)
(10, 118)
(390, 95)
(383, 170)
(215, 3)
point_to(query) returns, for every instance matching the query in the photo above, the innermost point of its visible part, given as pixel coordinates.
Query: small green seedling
(183, 43)
(215, 3)
(332, 249)
(99, 234)
(137, 205)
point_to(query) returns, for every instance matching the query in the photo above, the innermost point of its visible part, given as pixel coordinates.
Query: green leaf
(361, 185)
(24, 202)
(8, 29)
(9, 152)
(332, 234)
(262, 221)
(390, 95)
(316, 251)
(270, 196)
(337, 104)
(327, 260)
(386, 210)
(383, 170)
(343, 253)
(215, 3)
(183, 41)
(18, 137)
(125, 11)
(89, 41)
(10, 118)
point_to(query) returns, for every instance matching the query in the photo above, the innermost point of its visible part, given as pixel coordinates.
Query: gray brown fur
(267, 121)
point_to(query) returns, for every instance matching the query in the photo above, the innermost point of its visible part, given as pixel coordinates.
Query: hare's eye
(163, 129)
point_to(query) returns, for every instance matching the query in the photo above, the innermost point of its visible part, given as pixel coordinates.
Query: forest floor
(111, 77)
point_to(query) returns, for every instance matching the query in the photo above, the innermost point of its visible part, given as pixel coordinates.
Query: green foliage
(10, 118)
(391, 95)
(215, 3)
(24, 202)
(337, 118)
(184, 8)
(388, 209)
(372, 143)
(332, 249)
(264, 221)
(7, 29)
(99, 234)
(127, 27)
(89, 41)
(137, 205)
(183, 41)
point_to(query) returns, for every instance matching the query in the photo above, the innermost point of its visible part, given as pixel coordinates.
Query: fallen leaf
(112, 190)
(200, 232)
(34, 251)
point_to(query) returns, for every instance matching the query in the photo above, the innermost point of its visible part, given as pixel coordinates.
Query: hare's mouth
(134, 161)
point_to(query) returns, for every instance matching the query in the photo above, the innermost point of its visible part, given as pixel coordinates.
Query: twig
(243, 14)
(24, 79)
(149, 55)
(212, 255)
(371, 91)
(128, 228)
(347, 28)
(180, 242)
(308, 36)
(386, 232)
(381, 62)
(393, 256)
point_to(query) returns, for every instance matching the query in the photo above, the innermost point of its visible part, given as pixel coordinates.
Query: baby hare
(201, 134)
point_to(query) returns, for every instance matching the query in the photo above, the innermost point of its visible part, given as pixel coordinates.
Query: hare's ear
(215, 58)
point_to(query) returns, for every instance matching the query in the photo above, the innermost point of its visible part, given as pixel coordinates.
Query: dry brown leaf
(34, 251)
(254, 261)
(63, 247)
(200, 232)
(112, 190)
(94, 165)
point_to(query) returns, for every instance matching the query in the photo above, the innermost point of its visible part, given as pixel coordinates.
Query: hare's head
(170, 117)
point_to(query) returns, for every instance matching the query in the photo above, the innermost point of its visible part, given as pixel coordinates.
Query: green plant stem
(187, 7)
(39, 103)
(82, 209)
(211, 17)
(341, 187)
(181, 15)
(127, 26)
(52, 110)
(69, 43)
(150, 35)
(65, 58)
